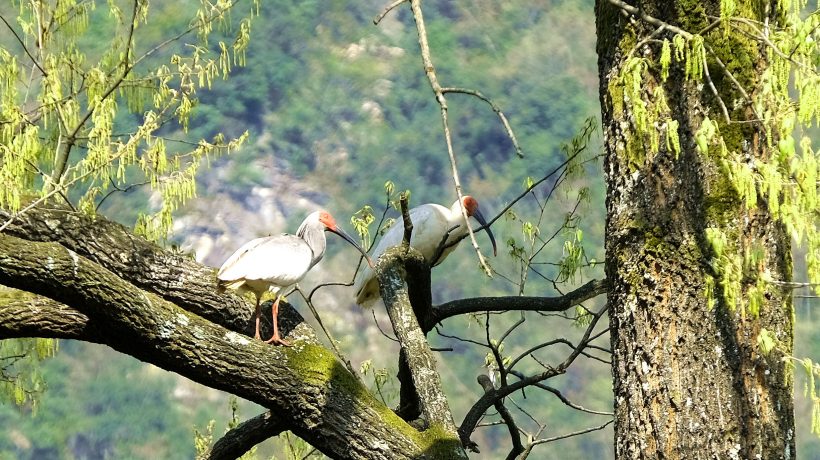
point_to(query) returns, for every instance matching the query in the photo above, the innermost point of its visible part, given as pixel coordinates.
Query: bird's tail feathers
(223, 285)
(367, 294)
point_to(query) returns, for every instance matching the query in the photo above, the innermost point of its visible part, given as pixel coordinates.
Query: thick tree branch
(43, 317)
(503, 118)
(304, 384)
(417, 277)
(441, 312)
(421, 363)
(175, 277)
(248, 434)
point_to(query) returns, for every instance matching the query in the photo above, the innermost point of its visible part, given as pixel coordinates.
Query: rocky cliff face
(221, 218)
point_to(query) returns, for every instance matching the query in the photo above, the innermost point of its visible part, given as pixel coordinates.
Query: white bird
(430, 223)
(275, 262)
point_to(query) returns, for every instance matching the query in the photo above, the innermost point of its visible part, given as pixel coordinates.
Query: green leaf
(766, 341)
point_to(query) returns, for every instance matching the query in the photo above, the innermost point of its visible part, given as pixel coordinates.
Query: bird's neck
(316, 242)
(455, 218)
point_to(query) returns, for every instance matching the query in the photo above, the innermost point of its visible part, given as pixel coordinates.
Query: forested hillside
(335, 107)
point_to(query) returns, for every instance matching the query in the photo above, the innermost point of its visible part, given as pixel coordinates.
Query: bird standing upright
(430, 224)
(276, 262)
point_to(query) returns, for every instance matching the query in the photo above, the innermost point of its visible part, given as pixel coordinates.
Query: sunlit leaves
(361, 221)
(766, 341)
(739, 270)
(665, 59)
(382, 384)
(69, 143)
(20, 378)
(812, 371)
(572, 150)
(704, 135)
(573, 257)
(742, 178)
(204, 440)
(632, 79)
(179, 185)
(727, 10)
(695, 58)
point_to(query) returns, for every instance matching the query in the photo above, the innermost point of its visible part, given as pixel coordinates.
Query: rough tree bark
(690, 380)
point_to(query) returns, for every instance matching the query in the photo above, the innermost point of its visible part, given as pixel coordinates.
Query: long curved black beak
(481, 220)
(350, 240)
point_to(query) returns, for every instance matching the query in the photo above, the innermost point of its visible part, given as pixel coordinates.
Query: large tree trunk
(690, 380)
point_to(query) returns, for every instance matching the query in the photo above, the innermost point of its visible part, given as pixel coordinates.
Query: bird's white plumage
(430, 223)
(276, 262)
(269, 263)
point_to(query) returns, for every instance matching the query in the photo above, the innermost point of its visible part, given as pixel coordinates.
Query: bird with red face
(431, 222)
(274, 263)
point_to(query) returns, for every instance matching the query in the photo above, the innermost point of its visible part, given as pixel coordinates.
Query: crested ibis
(430, 224)
(275, 262)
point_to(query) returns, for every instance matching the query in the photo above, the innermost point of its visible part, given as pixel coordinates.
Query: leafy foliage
(21, 380)
(64, 107)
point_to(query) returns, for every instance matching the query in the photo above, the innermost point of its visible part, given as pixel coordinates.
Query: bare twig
(408, 223)
(494, 348)
(22, 44)
(544, 345)
(574, 433)
(118, 189)
(562, 397)
(496, 109)
(330, 339)
(515, 436)
(380, 327)
(386, 10)
(480, 407)
(637, 12)
(715, 91)
(460, 339)
(438, 92)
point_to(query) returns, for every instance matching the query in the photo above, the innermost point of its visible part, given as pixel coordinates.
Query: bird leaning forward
(431, 222)
(274, 263)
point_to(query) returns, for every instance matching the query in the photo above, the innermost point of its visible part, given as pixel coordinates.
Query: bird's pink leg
(258, 336)
(275, 313)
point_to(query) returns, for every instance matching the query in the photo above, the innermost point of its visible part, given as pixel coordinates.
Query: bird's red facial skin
(327, 220)
(470, 204)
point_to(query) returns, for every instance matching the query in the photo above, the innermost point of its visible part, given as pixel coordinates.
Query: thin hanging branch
(386, 10)
(439, 92)
(504, 121)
